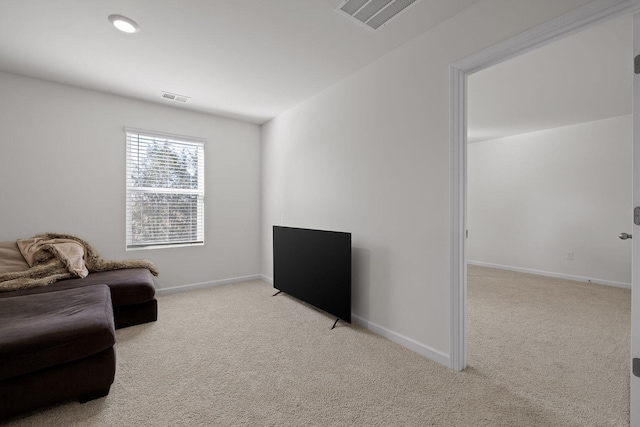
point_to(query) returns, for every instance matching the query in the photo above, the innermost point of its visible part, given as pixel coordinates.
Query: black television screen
(314, 266)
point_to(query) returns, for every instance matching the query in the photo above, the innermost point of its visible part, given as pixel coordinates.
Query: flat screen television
(314, 266)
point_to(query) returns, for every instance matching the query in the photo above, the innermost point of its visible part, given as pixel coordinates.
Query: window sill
(163, 246)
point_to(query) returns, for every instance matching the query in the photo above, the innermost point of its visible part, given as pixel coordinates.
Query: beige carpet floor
(563, 346)
(235, 356)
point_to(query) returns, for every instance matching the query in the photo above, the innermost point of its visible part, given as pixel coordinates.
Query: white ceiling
(585, 77)
(246, 59)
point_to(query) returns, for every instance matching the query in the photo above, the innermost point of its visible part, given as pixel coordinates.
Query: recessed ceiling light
(124, 24)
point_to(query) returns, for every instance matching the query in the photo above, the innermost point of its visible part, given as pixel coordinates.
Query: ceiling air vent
(174, 97)
(374, 13)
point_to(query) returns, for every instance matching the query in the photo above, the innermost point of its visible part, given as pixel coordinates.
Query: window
(165, 190)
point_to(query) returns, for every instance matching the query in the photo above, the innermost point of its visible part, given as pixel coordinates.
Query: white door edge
(634, 398)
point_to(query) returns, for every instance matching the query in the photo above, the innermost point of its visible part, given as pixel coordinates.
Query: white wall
(370, 155)
(62, 169)
(534, 197)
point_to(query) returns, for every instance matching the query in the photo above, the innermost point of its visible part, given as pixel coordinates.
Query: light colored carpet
(563, 346)
(235, 356)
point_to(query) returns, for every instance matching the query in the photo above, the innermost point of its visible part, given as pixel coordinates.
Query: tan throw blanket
(52, 257)
(40, 249)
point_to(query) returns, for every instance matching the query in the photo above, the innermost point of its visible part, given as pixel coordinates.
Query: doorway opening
(591, 15)
(594, 14)
(460, 306)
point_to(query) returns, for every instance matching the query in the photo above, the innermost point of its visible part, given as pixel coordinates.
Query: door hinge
(636, 367)
(636, 215)
(636, 64)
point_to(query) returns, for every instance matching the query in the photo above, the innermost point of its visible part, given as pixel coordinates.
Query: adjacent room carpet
(564, 346)
(543, 352)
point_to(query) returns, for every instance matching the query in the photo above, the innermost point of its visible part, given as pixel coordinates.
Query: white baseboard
(407, 342)
(267, 279)
(549, 274)
(194, 286)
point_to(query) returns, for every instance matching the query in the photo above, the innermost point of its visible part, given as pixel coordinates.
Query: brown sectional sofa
(132, 293)
(54, 347)
(56, 341)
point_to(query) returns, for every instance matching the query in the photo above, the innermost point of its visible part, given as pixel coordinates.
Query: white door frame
(594, 13)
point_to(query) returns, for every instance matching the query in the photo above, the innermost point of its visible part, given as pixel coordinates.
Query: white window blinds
(165, 190)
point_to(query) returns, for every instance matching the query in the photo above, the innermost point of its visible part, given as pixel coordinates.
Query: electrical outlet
(569, 255)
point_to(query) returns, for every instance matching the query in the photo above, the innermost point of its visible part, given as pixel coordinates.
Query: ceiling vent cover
(374, 13)
(174, 97)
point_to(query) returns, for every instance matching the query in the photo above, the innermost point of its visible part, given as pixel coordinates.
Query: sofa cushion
(128, 286)
(52, 328)
(12, 259)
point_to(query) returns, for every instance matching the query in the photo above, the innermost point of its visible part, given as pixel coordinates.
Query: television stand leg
(334, 325)
(276, 293)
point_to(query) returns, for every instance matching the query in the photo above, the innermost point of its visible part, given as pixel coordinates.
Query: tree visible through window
(165, 189)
